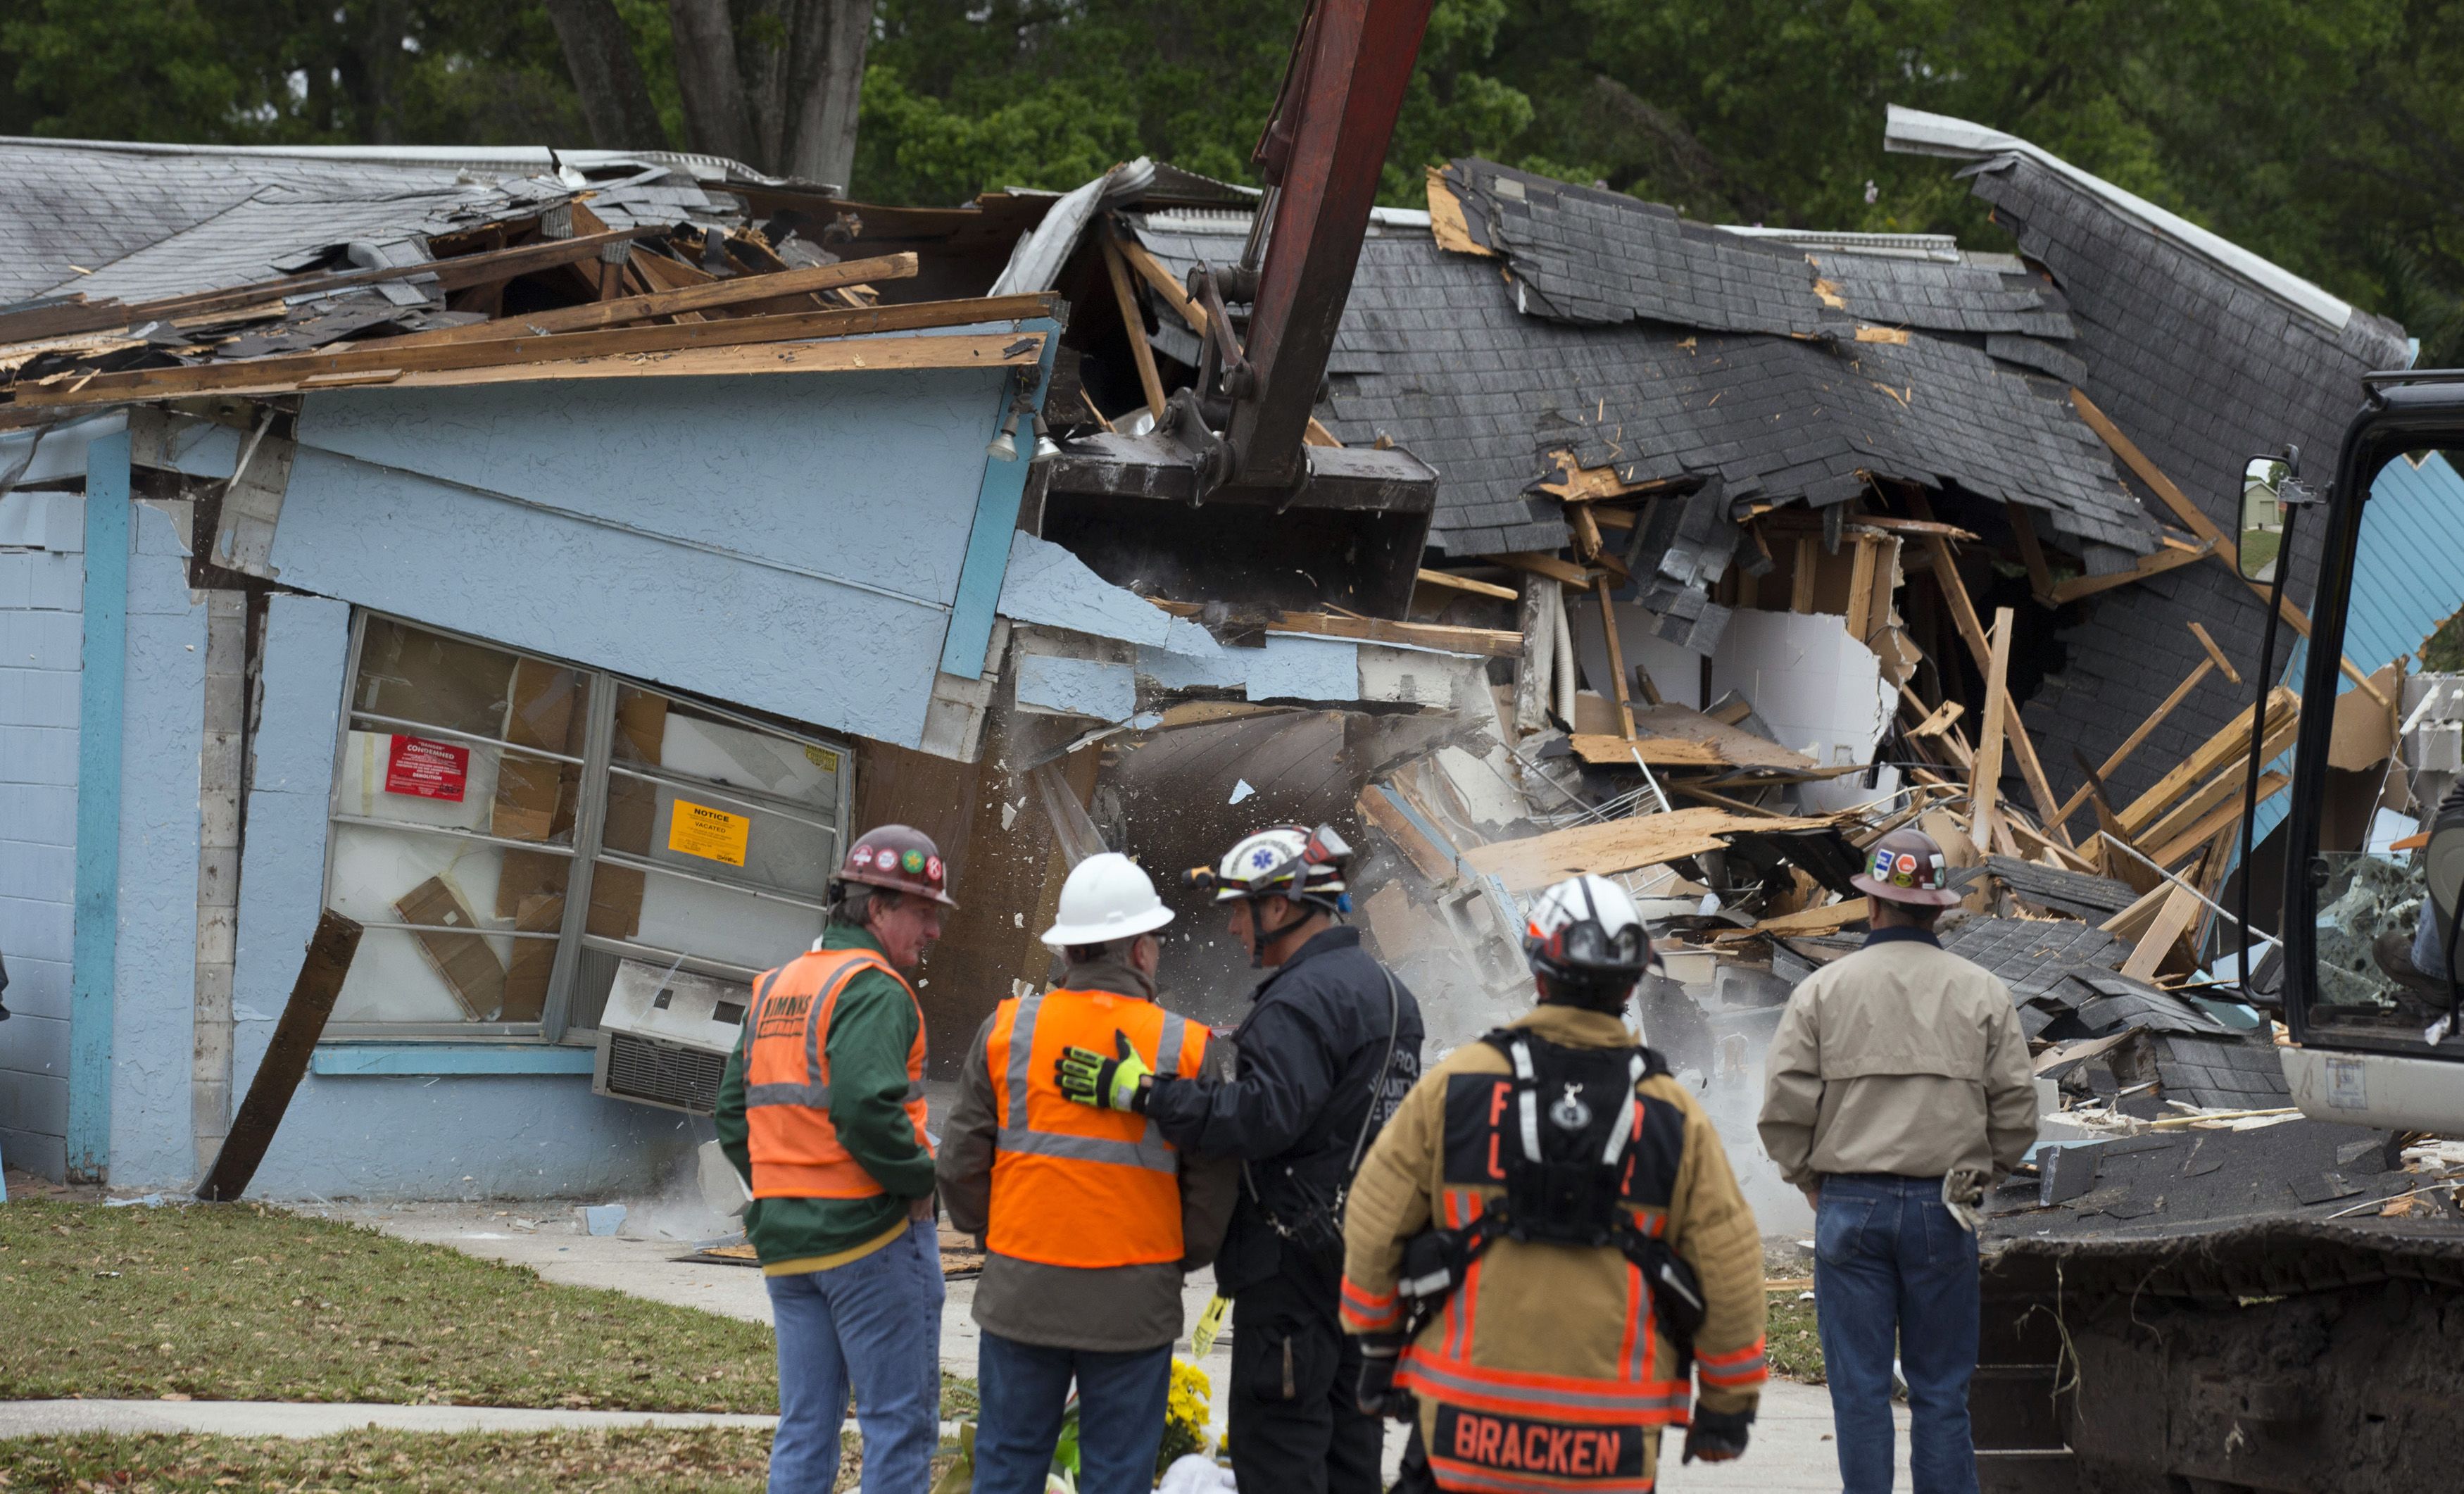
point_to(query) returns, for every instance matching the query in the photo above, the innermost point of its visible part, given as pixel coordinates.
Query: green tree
(284, 71)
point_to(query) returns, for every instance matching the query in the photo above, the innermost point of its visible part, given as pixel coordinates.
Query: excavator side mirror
(2262, 515)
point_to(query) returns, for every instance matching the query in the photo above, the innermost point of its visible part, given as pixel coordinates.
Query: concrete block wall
(42, 578)
(154, 989)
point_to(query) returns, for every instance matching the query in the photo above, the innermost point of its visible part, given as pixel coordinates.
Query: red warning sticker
(427, 769)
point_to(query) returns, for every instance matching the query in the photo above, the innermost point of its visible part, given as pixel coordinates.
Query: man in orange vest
(1088, 1217)
(822, 1109)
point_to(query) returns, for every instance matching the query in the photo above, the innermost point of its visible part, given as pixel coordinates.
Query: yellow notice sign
(712, 834)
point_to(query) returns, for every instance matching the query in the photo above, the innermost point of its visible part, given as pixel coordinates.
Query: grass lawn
(237, 1302)
(633, 1462)
(1790, 1344)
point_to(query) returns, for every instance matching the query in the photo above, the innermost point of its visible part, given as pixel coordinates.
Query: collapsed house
(544, 560)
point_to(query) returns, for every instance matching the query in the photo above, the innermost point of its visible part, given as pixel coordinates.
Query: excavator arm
(1258, 507)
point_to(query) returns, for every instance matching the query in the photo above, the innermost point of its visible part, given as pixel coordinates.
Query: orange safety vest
(795, 1150)
(1059, 1165)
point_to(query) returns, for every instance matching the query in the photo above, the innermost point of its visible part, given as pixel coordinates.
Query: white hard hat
(1106, 898)
(1587, 928)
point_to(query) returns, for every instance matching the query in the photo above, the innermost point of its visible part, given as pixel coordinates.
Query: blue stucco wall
(432, 1136)
(42, 578)
(791, 543)
(154, 990)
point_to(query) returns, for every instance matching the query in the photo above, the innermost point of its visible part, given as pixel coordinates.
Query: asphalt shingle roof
(1586, 346)
(2202, 371)
(141, 225)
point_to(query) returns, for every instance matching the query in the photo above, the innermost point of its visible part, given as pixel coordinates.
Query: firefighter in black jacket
(1330, 1047)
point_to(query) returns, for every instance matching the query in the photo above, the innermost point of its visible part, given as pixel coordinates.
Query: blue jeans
(875, 1321)
(1023, 1387)
(1887, 1255)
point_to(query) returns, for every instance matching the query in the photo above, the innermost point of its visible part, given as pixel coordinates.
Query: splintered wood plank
(2226, 784)
(1478, 588)
(2224, 666)
(1152, 271)
(1954, 592)
(2172, 920)
(268, 374)
(1496, 642)
(1134, 326)
(1860, 590)
(1617, 657)
(2031, 551)
(2168, 558)
(1683, 736)
(2227, 743)
(1830, 919)
(1617, 845)
(1540, 564)
(668, 303)
(1984, 779)
(331, 948)
(2225, 551)
(1003, 349)
(2130, 744)
(2215, 825)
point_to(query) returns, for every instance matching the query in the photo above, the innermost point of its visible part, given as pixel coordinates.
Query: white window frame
(585, 850)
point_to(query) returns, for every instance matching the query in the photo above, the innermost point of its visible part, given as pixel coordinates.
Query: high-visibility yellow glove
(1117, 1083)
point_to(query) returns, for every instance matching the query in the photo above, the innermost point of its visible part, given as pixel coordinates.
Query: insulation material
(1822, 692)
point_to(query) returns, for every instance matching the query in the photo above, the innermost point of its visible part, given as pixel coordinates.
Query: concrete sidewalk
(289, 1418)
(1791, 1449)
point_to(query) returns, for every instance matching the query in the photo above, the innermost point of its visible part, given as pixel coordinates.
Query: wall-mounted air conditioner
(666, 1034)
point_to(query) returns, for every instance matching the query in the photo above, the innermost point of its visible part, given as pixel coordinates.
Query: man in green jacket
(822, 1111)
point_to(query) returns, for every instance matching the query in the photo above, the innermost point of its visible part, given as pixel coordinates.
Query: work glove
(1716, 1435)
(1376, 1394)
(1114, 1084)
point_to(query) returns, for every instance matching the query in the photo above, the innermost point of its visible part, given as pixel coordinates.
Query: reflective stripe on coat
(1074, 1185)
(795, 1147)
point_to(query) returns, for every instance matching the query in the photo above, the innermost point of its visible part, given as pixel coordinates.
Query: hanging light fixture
(1005, 446)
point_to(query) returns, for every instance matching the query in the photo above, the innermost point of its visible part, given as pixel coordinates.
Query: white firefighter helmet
(1586, 931)
(1107, 897)
(1281, 861)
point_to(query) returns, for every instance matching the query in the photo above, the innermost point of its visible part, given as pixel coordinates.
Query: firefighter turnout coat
(1546, 1371)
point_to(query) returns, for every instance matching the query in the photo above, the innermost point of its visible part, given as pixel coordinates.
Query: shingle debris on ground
(2081, 894)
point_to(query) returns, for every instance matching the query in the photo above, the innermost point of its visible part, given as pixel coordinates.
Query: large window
(511, 830)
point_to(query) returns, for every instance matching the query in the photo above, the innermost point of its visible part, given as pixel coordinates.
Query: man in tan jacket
(1546, 1249)
(1898, 1082)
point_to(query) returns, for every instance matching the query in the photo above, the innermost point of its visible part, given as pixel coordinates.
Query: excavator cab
(2372, 980)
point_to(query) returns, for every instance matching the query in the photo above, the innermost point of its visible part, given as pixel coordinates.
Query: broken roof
(140, 223)
(145, 271)
(1674, 352)
(2203, 354)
